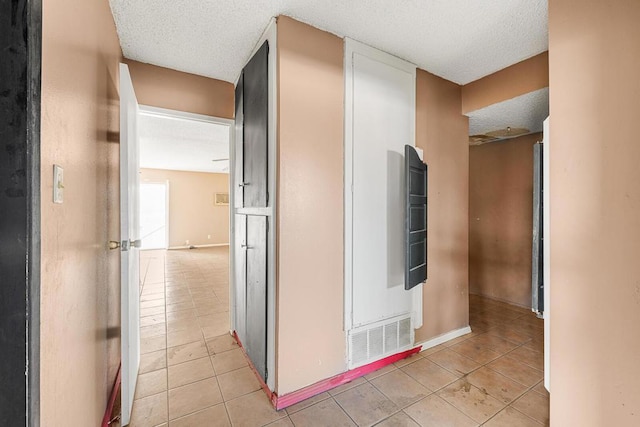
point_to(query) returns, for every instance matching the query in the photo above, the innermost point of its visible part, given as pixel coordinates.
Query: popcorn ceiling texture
(459, 40)
(525, 111)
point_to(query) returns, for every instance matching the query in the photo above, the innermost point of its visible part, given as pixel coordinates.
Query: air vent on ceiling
(373, 342)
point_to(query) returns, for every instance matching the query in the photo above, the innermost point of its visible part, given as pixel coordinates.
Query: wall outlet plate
(58, 184)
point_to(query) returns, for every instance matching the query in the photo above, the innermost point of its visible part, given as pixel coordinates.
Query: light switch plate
(58, 184)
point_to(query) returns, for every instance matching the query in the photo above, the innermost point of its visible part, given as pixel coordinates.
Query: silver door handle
(135, 243)
(243, 184)
(246, 247)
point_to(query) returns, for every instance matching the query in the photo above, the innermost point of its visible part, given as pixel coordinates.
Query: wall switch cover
(58, 184)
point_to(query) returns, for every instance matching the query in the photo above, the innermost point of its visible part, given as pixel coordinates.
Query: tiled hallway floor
(192, 373)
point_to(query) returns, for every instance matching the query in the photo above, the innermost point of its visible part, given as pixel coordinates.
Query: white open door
(129, 235)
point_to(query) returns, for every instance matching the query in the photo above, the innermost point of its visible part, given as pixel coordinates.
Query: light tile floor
(192, 373)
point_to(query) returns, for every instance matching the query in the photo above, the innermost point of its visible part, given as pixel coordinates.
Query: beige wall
(310, 337)
(518, 79)
(175, 90)
(442, 132)
(192, 213)
(594, 59)
(501, 219)
(80, 304)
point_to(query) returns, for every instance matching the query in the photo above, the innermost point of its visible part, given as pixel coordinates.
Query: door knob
(243, 184)
(136, 243)
(246, 247)
(113, 244)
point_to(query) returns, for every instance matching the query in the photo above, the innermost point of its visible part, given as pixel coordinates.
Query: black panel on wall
(20, 63)
(416, 218)
(255, 119)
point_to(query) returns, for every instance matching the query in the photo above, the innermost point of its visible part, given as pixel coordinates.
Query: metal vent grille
(376, 341)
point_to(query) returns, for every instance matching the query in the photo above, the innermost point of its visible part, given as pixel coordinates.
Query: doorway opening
(154, 215)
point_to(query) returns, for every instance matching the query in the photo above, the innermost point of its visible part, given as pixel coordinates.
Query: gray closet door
(239, 143)
(255, 120)
(416, 218)
(256, 295)
(537, 265)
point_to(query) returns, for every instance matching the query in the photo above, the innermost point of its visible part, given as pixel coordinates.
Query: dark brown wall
(594, 59)
(442, 132)
(501, 219)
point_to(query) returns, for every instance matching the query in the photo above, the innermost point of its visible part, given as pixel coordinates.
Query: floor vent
(373, 342)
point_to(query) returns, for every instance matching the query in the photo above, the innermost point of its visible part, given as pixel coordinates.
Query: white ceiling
(526, 111)
(179, 144)
(460, 40)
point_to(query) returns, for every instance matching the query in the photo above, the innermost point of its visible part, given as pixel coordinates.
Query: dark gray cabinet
(415, 271)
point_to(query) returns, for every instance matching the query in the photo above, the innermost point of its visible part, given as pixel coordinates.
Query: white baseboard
(444, 338)
(198, 246)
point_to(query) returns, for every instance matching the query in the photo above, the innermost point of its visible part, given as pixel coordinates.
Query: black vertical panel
(416, 219)
(255, 119)
(537, 264)
(256, 320)
(20, 59)
(239, 122)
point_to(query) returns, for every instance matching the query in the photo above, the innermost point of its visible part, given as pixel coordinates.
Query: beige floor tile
(493, 342)
(221, 344)
(470, 400)
(176, 316)
(177, 298)
(282, 422)
(152, 344)
(516, 370)
(193, 397)
(497, 385)
(541, 389)
(153, 361)
(153, 330)
(400, 388)
(307, 402)
(190, 372)
(151, 383)
(228, 361)
(151, 311)
(510, 333)
(434, 411)
(179, 306)
(155, 294)
(510, 417)
(149, 411)
(347, 386)
(381, 371)
(216, 330)
(400, 419)
(475, 352)
(532, 358)
(214, 416)
(534, 405)
(183, 325)
(414, 357)
(152, 320)
(186, 352)
(324, 413)
(184, 337)
(429, 374)
(453, 361)
(253, 409)
(152, 303)
(365, 404)
(237, 383)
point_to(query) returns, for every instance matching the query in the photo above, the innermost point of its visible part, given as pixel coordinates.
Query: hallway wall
(594, 60)
(80, 303)
(192, 212)
(442, 132)
(501, 219)
(165, 88)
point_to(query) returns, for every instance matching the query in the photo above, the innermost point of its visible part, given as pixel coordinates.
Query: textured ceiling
(179, 144)
(460, 40)
(526, 111)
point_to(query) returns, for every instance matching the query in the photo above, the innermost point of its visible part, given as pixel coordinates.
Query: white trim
(213, 245)
(546, 249)
(148, 110)
(444, 338)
